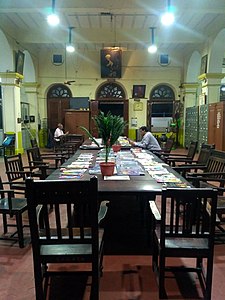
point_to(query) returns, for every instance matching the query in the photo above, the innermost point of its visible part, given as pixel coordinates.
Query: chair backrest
(34, 156)
(192, 150)
(204, 153)
(14, 167)
(33, 142)
(168, 146)
(216, 164)
(188, 213)
(74, 204)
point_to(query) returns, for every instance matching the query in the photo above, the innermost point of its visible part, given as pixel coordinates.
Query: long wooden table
(128, 222)
(137, 185)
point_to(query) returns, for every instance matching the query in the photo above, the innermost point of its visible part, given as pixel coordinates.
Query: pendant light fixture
(168, 17)
(70, 47)
(53, 18)
(152, 48)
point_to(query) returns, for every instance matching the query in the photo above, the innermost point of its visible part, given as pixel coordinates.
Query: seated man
(148, 141)
(59, 133)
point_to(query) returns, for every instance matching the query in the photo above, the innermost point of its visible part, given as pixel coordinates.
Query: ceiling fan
(69, 82)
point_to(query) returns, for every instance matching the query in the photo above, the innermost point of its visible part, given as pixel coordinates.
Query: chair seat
(184, 243)
(18, 186)
(18, 204)
(63, 251)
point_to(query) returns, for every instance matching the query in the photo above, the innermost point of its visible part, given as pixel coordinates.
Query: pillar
(211, 83)
(30, 89)
(11, 108)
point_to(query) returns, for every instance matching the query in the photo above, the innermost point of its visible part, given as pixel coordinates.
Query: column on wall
(30, 89)
(11, 109)
(190, 94)
(211, 83)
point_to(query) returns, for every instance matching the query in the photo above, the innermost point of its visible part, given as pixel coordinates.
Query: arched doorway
(110, 96)
(161, 107)
(58, 99)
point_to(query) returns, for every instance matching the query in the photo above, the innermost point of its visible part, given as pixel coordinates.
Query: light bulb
(152, 48)
(70, 48)
(53, 19)
(167, 18)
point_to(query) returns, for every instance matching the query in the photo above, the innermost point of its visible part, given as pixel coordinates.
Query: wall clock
(138, 106)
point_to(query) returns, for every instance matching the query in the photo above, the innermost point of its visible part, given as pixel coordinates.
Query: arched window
(162, 98)
(110, 90)
(59, 91)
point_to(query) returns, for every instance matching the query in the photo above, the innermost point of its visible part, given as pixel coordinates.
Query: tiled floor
(126, 277)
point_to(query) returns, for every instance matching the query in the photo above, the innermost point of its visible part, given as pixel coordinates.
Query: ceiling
(106, 23)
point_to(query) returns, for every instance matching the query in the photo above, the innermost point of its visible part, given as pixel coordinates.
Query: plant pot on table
(116, 148)
(107, 168)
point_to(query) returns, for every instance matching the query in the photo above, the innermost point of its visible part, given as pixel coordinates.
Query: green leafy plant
(90, 135)
(110, 127)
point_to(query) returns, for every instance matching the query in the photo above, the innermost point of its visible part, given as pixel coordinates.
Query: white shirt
(58, 132)
(148, 142)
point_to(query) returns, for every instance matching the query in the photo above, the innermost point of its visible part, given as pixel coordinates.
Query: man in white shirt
(59, 133)
(148, 141)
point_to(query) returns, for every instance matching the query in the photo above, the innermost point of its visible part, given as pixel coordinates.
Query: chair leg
(19, 223)
(39, 290)
(95, 281)
(162, 292)
(5, 226)
(208, 284)
(155, 255)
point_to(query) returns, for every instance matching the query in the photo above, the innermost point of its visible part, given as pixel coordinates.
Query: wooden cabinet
(76, 118)
(216, 125)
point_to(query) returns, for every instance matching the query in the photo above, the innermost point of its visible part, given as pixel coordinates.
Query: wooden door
(56, 111)
(95, 106)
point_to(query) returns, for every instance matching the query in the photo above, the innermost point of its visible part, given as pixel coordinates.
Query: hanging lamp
(70, 47)
(152, 48)
(168, 17)
(53, 18)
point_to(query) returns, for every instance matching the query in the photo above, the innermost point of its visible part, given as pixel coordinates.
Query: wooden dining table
(141, 185)
(128, 222)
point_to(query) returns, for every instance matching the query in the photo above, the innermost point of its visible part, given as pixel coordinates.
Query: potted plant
(110, 127)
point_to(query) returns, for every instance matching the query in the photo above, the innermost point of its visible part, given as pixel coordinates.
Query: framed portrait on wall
(19, 62)
(111, 61)
(204, 61)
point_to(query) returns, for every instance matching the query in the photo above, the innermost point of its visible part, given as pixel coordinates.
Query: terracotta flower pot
(107, 169)
(116, 148)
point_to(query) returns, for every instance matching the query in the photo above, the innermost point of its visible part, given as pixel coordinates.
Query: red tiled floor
(124, 278)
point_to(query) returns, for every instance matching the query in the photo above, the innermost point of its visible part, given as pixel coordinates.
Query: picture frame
(204, 62)
(111, 62)
(138, 91)
(20, 56)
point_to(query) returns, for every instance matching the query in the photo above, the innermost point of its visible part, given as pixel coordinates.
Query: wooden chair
(210, 175)
(17, 173)
(36, 159)
(184, 226)
(167, 147)
(204, 154)
(11, 206)
(70, 234)
(33, 142)
(172, 159)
